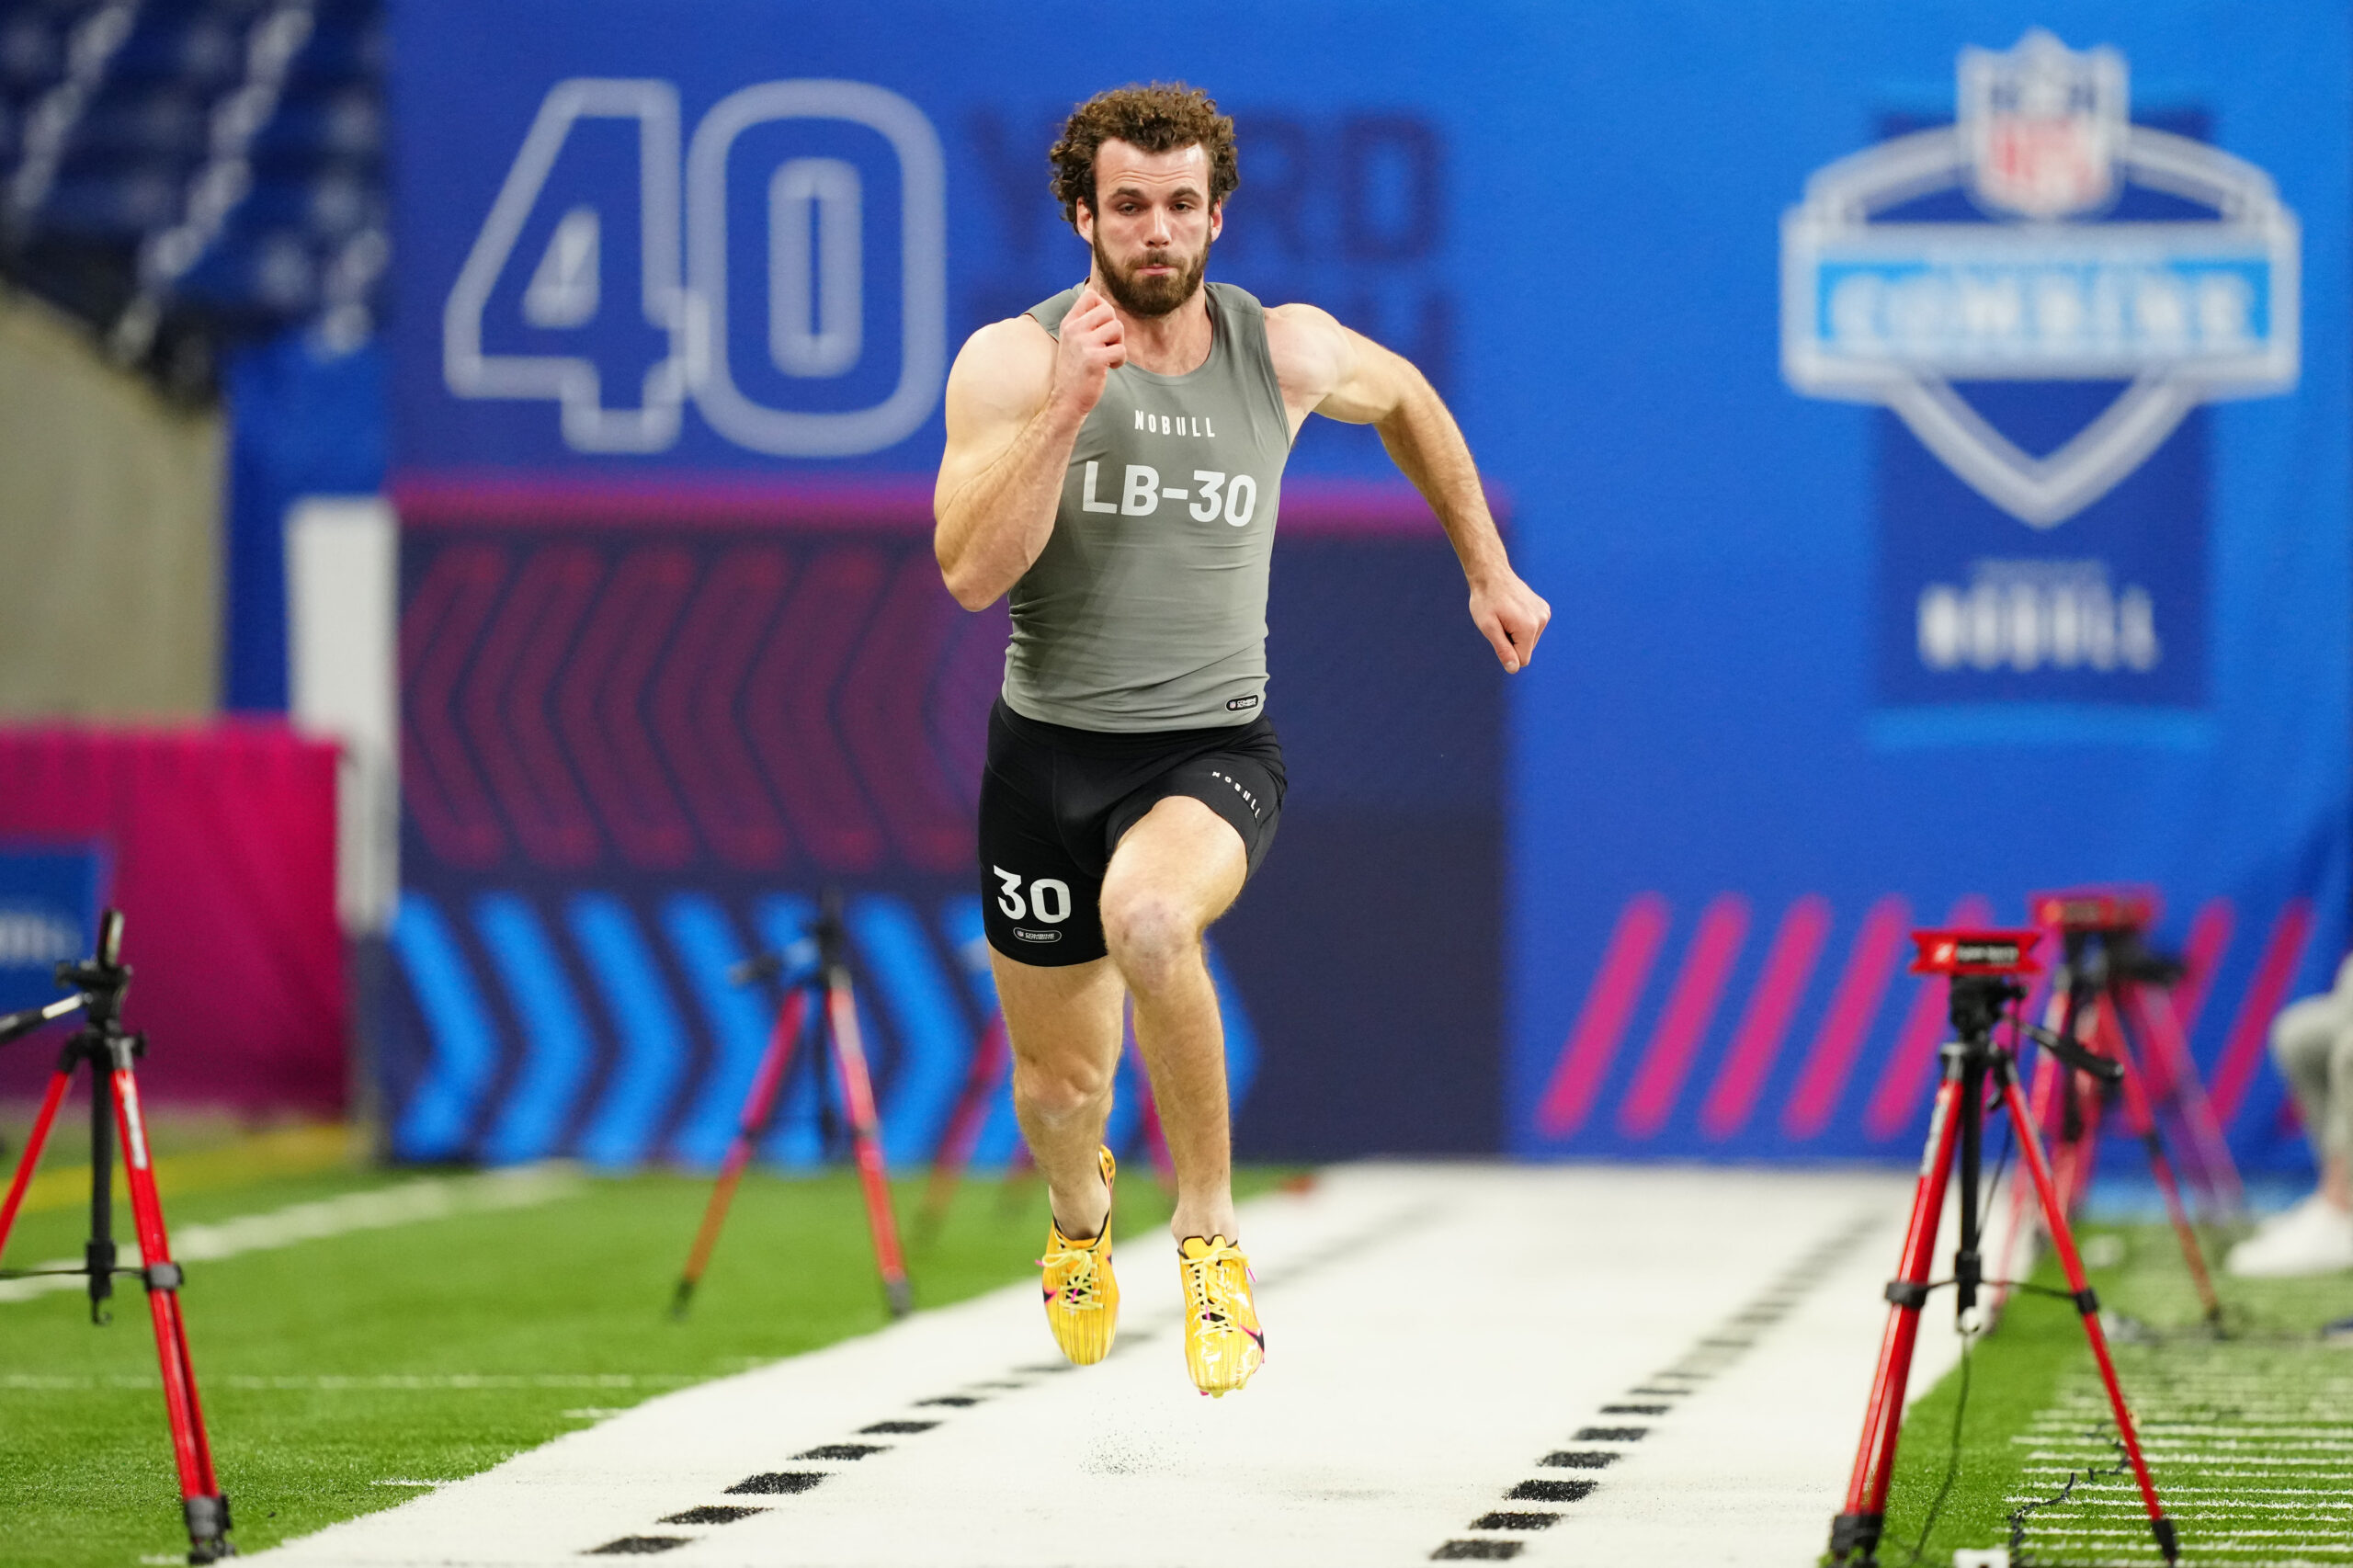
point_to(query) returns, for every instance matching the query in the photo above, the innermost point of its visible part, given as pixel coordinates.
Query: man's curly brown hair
(1158, 118)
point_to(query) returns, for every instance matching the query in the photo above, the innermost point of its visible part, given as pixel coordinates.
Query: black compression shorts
(1055, 800)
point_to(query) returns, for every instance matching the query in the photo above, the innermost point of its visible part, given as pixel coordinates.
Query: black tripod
(1983, 966)
(100, 984)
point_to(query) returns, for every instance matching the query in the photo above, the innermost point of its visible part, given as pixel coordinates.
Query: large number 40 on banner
(788, 274)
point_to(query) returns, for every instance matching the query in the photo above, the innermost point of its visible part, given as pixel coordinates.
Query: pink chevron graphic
(1757, 1041)
(1593, 1042)
(506, 706)
(682, 703)
(602, 706)
(439, 785)
(1903, 1083)
(1879, 947)
(2242, 1052)
(2202, 956)
(883, 717)
(789, 708)
(1690, 1007)
(694, 708)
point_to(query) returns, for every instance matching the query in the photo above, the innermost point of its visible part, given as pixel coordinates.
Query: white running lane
(1435, 1332)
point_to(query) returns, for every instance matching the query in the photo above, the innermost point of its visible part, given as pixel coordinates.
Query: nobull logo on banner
(784, 269)
(2044, 293)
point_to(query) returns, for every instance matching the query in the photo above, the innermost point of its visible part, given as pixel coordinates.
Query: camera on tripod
(1983, 969)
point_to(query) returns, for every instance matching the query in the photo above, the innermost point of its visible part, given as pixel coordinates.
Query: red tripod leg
(757, 1106)
(2142, 1117)
(35, 1141)
(206, 1510)
(1156, 1144)
(990, 1058)
(1854, 1535)
(866, 1139)
(2062, 1240)
(2018, 1244)
(2072, 1161)
(2218, 1174)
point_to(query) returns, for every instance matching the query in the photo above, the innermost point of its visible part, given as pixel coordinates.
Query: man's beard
(1149, 297)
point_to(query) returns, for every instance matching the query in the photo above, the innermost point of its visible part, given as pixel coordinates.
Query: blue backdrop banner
(1929, 424)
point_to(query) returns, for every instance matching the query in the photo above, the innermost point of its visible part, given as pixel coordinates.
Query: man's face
(1150, 224)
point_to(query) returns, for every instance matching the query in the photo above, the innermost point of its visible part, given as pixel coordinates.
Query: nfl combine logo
(2042, 292)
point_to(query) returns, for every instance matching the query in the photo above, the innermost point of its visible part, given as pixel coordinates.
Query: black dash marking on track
(843, 1450)
(639, 1545)
(954, 1400)
(1551, 1491)
(776, 1484)
(1726, 1344)
(887, 1427)
(711, 1513)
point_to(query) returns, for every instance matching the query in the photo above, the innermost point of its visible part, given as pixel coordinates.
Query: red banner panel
(220, 844)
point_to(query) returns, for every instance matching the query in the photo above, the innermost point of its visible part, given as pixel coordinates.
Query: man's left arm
(1326, 368)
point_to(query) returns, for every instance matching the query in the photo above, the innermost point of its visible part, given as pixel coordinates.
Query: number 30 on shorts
(1048, 900)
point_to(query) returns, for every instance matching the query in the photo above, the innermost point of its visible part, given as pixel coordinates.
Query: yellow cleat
(1223, 1342)
(1082, 1297)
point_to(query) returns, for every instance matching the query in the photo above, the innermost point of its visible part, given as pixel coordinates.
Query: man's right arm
(1016, 400)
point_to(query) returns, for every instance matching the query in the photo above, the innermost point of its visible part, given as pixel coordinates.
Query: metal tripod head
(1977, 1004)
(103, 979)
(97, 985)
(823, 948)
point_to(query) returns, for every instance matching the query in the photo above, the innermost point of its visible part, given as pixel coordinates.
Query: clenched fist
(1092, 346)
(1512, 615)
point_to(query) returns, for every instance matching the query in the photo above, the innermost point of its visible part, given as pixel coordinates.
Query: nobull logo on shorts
(2043, 292)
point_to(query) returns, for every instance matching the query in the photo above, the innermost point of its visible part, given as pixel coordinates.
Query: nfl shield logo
(2042, 124)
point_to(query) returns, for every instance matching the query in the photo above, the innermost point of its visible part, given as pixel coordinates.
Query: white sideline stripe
(426, 1198)
(2123, 1500)
(2079, 1465)
(2235, 1538)
(2182, 1445)
(2214, 1490)
(2196, 1455)
(2337, 1430)
(1458, 1324)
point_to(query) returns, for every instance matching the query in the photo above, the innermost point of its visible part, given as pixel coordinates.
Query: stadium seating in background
(185, 173)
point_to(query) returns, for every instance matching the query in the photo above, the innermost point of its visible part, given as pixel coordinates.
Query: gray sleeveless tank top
(1147, 608)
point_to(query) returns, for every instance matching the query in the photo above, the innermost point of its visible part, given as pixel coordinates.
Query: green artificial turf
(2249, 1433)
(434, 1350)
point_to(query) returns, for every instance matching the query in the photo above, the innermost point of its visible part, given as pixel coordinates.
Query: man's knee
(1152, 937)
(1061, 1087)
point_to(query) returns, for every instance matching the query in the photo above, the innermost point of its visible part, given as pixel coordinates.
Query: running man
(1114, 461)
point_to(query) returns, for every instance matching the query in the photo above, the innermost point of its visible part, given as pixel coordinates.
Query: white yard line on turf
(1435, 1333)
(338, 1383)
(405, 1203)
